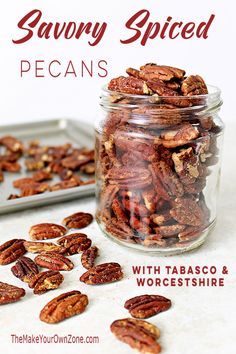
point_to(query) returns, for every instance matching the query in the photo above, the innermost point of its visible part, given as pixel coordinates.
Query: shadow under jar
(158, 169)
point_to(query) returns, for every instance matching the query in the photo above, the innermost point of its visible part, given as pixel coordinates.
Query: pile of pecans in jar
(156, 147)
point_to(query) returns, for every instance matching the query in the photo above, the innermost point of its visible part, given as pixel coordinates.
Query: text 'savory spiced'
(158, 166)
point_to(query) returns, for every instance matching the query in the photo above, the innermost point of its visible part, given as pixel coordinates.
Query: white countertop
(201, 320)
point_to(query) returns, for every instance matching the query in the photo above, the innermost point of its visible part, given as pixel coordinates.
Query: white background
(31, 98)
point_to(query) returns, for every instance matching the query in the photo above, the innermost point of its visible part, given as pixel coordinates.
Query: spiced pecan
(189, 234)
(33, 188)
(180, 136)
(12, 143)
(53, 261)
(144, 306)
(11, 250)
(187, 165)
(74, 243)
(130, 177)
(10, 293)
(88, 168)
(72, 182)
(193, 85)
(41, 175)
(46, 230)
(88, 257)
(187, 211)
(161, 72)
(138, 334)
(34, 164)
(102, 273)
(77, 220)
(19, 183)
(129, 85)
(169, 230)
(38, 247)
(64, 306)
(25, 269)
(161, 219)
(44, 281)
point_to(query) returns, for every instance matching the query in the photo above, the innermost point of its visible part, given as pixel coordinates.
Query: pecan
(34, 164)
(169, 230)
(120, 229)
(78, 220)
(33, 188)
(21, 182)
(144, 306)
(190, 233)
(10, 293)
(88, 257)
(38, 247)
(135, 207)
(10, 166)
(150, 199)
(161, 219)
(41, 175)
(129, 85)
(187, 211)
(12, 144)
(182, 135)
(118, 210)
(11, 250)
(25, 269)
(160, 88)
(74, 243)
(130, 177)
(162, 72)
(88, 168)
(168, 179)
(65, 174)
(187, 165)
(193, 85)
(53, 261)
(154, 240)
(74, 181)
(64, 306)
(46, 230)
(102, 273)
(138, 334)
(133, 72)
(45, 281)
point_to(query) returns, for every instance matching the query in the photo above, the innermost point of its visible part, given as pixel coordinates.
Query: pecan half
(187, 165)
(187, 211)
(126, 177)
(45, 231)
(194, 85)
(11, 250)
(53, 261)
(45, 281)
(38, 247)
(144, 306)
(88, 257)
(10, 293)
(10, 166)
(78, 220)
(102, 273)
(25, 269)
(74, 243)
(138, 334)
(41, 175)
(64, 306)
(129, 85)
(169, 230)
(182, 135)
(161, 72)
(12, 144)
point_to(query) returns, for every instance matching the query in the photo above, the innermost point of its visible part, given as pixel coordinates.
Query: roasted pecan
(169, 230)
(182, 135)
(38, 247)
(129, 178)
(190, 233)
(138, 334)
(72, 182)
(12, 144)
(64, 306)
(34, 164)
(162, 72)
(74, 243)
(102, 273)
(53, 261)
(21, 182)
(45, 281)
(11, 250)
(46, 230)
(88, 257)
(41, 175)
(193, 85)
(187, 211)
(25, 269)
(10, 166)
(78, 220)
(33, 188)
(144, 306)
(89, 168)
(118, 210)
(10, 293)
(161, 219)
(129, 85)
(187, 165)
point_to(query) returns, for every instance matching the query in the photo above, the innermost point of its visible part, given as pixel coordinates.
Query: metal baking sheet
(49, 132)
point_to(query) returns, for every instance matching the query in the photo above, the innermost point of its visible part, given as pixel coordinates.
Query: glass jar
(158, 169)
